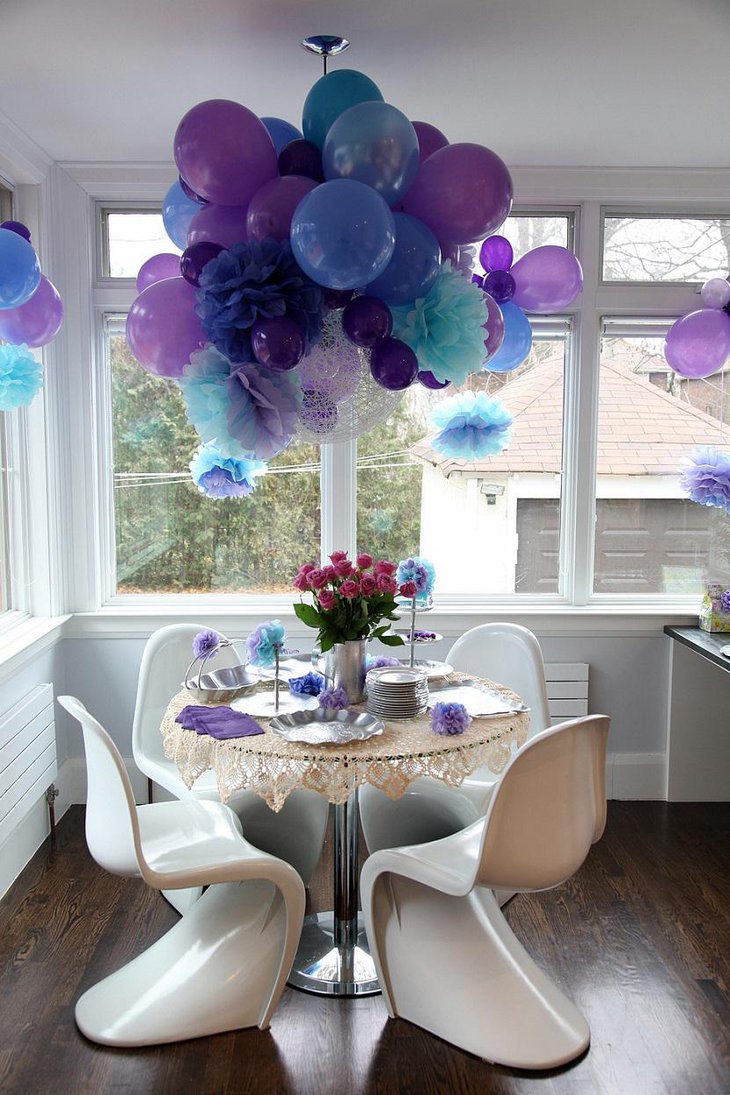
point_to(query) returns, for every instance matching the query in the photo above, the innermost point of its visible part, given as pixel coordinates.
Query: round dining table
(333, 956)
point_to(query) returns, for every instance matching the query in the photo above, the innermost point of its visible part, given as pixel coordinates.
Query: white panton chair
(445, 956)
(507, 654)
(294, 834)
(224, 964)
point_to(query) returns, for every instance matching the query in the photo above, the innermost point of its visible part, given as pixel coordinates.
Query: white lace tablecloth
(406, 750)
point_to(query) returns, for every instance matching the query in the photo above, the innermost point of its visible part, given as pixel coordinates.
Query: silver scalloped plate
(323, 726)
(434, 669)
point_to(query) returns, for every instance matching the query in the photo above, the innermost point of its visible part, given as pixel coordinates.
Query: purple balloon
(336, 298)
(715, 293)
(224, 152)
(367, 319)
(301, 157)
(449, 252)
(428, 380)
(546, 279)
(698, 344)
(162, 327)
(430, 139)
(494, 326)
(477, 279)
(159, 267)
(195, 257)
(37, 321)
(462, 192)
(496, 254)
(393, 364)
(190, 193)
(223, 224)
(19, 228)
(272, 207)
(278, 343)
(500, 285)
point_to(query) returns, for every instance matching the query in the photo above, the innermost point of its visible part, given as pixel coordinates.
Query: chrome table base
(326, 969)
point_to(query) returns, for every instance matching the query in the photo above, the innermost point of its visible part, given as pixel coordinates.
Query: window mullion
(338, 483)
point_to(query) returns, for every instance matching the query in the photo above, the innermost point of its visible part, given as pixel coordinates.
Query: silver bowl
(223, 685)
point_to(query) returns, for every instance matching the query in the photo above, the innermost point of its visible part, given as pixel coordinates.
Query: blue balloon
(342, 234)
(414, 266)
(330, 97)
(281, 132)
(376, 144)
(517, 340)
(177, 212)
(20, 271)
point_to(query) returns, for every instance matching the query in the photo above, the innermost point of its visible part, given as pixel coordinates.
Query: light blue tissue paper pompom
(471, 426)
(21, 376)
(219, 476)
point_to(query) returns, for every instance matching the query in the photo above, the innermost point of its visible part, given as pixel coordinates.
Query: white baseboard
(636, 776)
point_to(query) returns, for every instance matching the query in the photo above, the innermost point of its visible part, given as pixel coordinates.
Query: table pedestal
(333, 958)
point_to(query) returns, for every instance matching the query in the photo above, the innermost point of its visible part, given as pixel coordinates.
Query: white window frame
(641, 212)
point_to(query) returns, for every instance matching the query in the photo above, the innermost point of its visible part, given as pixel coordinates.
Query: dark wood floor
(640, 939)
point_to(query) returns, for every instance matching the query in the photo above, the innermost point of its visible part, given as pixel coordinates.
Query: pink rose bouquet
(350, 600)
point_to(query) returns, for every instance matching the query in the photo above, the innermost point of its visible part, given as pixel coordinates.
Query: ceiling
(564, 82)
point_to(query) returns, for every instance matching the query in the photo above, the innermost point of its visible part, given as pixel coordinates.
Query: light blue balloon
(414, 266)
(376, 144)
(177, 212)
(330, 97)
(281, 132)
(342, 234)
(20, 271)
(517, 340)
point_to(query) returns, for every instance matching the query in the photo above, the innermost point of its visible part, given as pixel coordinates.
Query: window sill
(24, 638)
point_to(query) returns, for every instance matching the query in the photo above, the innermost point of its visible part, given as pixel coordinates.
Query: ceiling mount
(325, 45)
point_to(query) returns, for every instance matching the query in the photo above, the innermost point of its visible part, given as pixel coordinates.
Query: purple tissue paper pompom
(311, 684)
(725, 601)
(382, 661)
(336, 699)
(449, 718)
(205, 642)
(706, 478)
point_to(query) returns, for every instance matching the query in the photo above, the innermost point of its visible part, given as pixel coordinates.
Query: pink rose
(301, 581)
(364, 560)
(326, 600)
(344, 568)
(329, 573)
(349, 589)
(387, 583)
(368, 585)
(338, 556)
(408, 589)
(307, 568)
(317, 578)
(384, 567)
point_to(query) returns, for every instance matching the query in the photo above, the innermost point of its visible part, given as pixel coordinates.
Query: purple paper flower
(706, 478)
(206, 641)
(336, 699)
(417, 570)
(311, 684)
(379, 662)
(725, 601)
(250, 281)
(219, 476)
(449, 718)
(263, 410)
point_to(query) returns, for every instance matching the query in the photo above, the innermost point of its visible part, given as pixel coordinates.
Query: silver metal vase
(344, 667)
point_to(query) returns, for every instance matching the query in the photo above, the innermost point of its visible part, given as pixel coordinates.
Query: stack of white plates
(397, 693)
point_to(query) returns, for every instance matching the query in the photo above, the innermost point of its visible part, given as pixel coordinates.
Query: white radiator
(567, 689)
(27, 756)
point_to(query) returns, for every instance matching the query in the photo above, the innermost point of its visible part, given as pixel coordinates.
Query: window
(650, 538)
(6, 209)
(642, 247)
(128, 238)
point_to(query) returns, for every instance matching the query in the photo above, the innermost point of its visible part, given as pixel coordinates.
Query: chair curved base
(479, 989)
(182, 900)
(219, 968)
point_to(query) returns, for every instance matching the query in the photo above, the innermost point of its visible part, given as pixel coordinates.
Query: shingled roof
(642, 430)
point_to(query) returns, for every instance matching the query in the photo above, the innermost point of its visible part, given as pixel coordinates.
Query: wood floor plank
(639, 939)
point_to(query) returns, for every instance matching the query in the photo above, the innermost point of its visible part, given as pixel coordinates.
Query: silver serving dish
(222, 685)
(323, 726)
(478, 701)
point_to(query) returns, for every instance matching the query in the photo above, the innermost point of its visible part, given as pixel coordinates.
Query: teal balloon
(20, 271)
(376, 144)
(414, 266)
(177, 212)
(331, 96)
(342, 234)
(517, 341)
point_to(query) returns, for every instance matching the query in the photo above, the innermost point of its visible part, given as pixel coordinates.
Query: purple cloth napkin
(218, 722)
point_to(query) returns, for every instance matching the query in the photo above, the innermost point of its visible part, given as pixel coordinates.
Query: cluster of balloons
(698, 344)
(31, 310)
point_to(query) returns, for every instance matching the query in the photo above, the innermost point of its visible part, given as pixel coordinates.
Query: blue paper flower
(206, 641)
(262, 643)
(471, 426)
(444, 328)
(336, 699)
(219, 476)
(418, 570)
(203, 386)
(263, 410)
(21, 376)
(706, 478)
(311, 684)
(251, 281)
(449, 718)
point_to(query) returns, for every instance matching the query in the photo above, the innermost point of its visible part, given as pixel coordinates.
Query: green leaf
(392, 640)
(308, 615)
